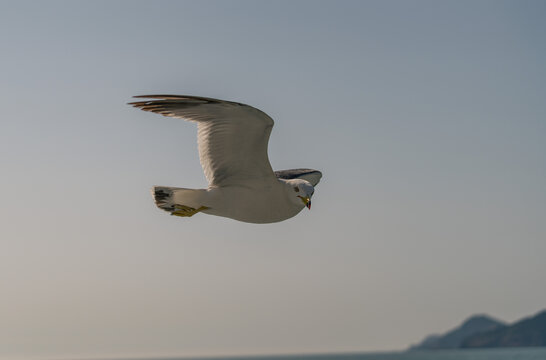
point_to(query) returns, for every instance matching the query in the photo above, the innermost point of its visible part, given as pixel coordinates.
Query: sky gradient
(427, 119)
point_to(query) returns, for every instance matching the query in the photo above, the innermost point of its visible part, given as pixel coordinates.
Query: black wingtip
(137, 103)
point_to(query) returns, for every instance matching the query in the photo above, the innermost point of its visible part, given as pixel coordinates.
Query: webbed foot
(186, 211)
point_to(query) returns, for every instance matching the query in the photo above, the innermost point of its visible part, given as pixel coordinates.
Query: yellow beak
(306, 201)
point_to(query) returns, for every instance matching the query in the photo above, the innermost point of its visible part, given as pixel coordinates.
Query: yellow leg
(186, 211)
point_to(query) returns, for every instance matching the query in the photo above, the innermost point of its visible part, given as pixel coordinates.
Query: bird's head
(301, 192)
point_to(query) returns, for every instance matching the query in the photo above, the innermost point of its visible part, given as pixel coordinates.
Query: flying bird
(232, 140)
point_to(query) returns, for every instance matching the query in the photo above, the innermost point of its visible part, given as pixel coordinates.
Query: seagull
(232, 140)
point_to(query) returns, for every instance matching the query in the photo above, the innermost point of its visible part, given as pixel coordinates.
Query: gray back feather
(313, 176)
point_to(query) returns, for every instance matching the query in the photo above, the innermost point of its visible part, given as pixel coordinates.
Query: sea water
(462, 354)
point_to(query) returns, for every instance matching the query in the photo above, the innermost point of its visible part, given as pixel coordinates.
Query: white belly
(266, 205)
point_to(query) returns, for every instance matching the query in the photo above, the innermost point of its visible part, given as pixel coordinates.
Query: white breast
(260, 206)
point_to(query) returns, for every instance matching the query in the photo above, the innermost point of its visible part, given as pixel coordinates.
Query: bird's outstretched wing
(232, 137)
(313, 176)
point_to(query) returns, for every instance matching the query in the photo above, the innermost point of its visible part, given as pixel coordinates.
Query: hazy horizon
(427, 120)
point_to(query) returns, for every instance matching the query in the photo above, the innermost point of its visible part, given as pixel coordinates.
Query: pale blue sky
(427, 119)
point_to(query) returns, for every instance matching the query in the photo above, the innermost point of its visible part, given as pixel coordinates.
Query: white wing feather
(232, 137)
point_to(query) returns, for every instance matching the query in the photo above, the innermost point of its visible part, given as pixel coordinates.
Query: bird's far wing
(313, 176)
(232, 137)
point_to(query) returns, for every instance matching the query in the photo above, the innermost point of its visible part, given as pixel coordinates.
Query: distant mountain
(527, 332)
(454, 338)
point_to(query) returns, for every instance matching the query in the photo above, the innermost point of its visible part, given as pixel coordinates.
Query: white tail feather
(167, 197)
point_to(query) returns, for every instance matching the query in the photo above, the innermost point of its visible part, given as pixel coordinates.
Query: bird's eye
(296, 189)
